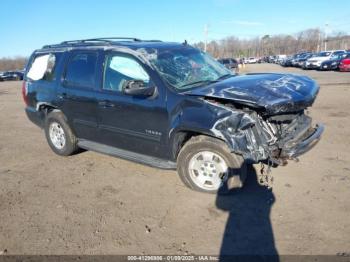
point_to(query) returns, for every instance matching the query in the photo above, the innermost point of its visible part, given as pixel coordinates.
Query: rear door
(77, 93)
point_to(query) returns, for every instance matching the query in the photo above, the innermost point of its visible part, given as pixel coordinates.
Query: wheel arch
(181, 136)
(46, 108)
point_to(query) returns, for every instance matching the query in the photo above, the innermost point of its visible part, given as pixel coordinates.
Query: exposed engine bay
(258, 136)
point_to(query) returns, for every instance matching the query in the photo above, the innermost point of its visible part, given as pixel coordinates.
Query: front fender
(215, 120)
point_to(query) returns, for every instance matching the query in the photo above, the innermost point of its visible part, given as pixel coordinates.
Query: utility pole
(325, 36)
(205, 37)
(319, 40)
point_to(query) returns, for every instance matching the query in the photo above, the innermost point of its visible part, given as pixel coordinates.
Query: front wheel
(206, 164)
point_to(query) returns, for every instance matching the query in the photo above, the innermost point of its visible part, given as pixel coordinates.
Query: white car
(280, 58)
(316, 61)
(251, 60)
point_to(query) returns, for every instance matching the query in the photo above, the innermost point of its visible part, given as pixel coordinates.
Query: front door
(128, 122)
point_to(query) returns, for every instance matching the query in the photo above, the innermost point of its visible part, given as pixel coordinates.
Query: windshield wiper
(208, 81)
(224, 77)
(199, 82)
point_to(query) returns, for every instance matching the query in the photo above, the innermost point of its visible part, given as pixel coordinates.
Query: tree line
(313, 40)
(15, 63)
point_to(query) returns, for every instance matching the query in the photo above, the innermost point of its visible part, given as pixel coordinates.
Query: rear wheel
(206, 164)
(59, 135)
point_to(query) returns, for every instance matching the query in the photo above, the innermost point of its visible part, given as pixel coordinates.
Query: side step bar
(128, 155)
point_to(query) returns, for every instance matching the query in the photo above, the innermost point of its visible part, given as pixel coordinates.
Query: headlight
(334, 63)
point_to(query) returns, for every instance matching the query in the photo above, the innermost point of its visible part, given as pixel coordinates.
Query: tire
(59, 135)
(196, 152)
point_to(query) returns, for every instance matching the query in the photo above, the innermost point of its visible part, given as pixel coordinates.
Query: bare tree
(307, 40)
(12, 63)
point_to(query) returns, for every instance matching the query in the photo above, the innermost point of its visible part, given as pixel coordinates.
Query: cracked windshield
(188, 68)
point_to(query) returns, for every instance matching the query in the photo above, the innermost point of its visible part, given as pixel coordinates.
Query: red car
(344, 64)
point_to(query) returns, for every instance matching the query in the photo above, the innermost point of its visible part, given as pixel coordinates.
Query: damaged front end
(259, 137)
(263, 115)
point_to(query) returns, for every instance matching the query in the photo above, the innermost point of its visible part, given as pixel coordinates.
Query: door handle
(105, 103)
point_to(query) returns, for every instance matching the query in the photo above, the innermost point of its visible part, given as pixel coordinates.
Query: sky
(26, 25)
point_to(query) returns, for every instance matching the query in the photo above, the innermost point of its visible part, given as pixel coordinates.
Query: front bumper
(312, 65)
(325, 67)
(300, 147)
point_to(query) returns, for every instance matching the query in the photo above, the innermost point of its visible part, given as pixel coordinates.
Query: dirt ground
(91, 203)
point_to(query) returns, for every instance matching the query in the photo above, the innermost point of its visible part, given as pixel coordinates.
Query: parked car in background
(302, 59)
(297, 57)
(287, 61)
(333, 62)
(271, 59)
(11, 75)
(280, 59)
(229, 63)
(344, 65)
(265, 59)
(294, 59)
(315, 62)
(251, 60)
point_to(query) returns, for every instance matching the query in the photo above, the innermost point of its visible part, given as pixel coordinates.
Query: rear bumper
(304, 145)
(35, 116)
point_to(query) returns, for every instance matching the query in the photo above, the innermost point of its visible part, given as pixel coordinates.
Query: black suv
(167, 105)
(229, 63)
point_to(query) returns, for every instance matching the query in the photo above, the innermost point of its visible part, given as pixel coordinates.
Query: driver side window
(119, 69)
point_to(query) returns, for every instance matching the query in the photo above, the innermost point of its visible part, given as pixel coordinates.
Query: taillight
(346, 61)
(25, 92)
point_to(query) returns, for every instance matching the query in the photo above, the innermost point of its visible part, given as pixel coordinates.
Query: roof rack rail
(108, 40)
(100, 39)
(152, 40)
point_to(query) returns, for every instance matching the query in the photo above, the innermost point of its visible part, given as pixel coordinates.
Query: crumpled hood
(272, 93)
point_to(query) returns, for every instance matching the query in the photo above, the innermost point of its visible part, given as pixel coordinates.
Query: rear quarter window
(43, 67)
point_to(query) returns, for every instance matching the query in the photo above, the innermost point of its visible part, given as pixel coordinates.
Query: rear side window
(43, 67)
(81, 70)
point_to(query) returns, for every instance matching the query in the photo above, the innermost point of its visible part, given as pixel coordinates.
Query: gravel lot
(96, 204)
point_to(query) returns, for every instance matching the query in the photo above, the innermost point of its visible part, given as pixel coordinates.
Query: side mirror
(137, 88)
